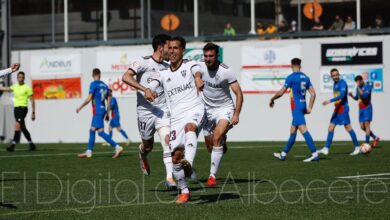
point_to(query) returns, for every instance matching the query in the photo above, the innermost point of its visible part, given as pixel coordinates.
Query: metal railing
(133, 41)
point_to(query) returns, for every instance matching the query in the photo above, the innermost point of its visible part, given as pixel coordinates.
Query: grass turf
(52, 183)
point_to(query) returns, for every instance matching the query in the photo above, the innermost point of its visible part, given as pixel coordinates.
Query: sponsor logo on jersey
(180, 89)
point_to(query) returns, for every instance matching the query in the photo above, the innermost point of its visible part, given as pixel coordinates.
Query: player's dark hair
(211, 46)
(332, 70)
(296, 62)
(181, 40)
(160, 40)
(95, 72)
(21, 73)
(358, 78)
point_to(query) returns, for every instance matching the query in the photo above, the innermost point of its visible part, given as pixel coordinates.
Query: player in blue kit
(98, 92)
(363, 96)
(340, 115)
(115, 119)
(298, 83)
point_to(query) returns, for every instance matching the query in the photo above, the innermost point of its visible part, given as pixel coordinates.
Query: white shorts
(213, 115)
(178, 122)
(147, 125)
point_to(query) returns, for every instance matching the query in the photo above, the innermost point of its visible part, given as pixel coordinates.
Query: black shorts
(20, 113)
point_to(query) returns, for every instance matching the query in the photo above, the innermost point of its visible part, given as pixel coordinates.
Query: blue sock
(107, 138)
(309, 141)
(91, 142)
(110, 134)
(367, 139)
(290, 143)
(353, 137)
(372, 135)
(124, 134)
(329, 139)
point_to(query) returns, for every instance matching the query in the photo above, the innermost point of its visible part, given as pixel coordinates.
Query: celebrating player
(152, 116)
(115, 119)
(182, 83)
(22, 93)
(221, 114)
(298, 83)
(363, 95)
(341, 113)
(98, 92)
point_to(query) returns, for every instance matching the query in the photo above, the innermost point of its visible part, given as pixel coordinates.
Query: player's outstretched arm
(14, 67)
(239, 100)
(87, 100)
(312, 92)
(276, 96)
(129, 79)
(354, 97)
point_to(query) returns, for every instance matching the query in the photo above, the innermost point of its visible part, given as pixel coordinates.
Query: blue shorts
(114, 123)
(365, 114)
(298, 117)
(340, 119)
(98, 121)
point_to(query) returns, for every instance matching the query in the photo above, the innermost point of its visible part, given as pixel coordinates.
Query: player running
(182, 83)
(153, 116)
(298, 83)
(115, 119)
(98, 92)
(363, 96)
(341, 113)
(221, 114)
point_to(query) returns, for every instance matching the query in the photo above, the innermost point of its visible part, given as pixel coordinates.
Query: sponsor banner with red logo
(371, 75)
(66, 88)
(119, 88)
(264, 69)
(114, 63)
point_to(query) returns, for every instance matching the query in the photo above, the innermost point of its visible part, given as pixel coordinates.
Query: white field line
(363, 176)
(136, 151)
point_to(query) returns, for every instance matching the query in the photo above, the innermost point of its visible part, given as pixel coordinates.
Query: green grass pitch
(52, 183)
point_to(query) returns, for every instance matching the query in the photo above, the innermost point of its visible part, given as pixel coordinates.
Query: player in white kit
(182, 83)
(221, 113)
(152, 116)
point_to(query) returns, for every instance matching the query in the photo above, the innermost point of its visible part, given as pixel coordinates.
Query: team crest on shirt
(183, 73)
(169, 79)
(217, 77)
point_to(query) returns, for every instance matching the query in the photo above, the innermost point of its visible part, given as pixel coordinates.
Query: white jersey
(216, 91)
(179, 87)
(145, 69)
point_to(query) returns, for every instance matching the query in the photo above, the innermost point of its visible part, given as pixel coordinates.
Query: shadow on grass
(8, 205)
(214, 198)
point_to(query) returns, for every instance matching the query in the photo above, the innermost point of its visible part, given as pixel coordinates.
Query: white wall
(57, 120)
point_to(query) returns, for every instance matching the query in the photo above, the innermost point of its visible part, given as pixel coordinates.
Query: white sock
(283, 154)
(315, 154)
(179, 175)
(117, 147)
(216, 156)
(167, 158)
(88, 152)
(191, 144)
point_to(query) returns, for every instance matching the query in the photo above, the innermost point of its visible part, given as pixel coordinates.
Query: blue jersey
(99, 91)
(114, 108)
(340, 94)
(298, 83)
(365, 98)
